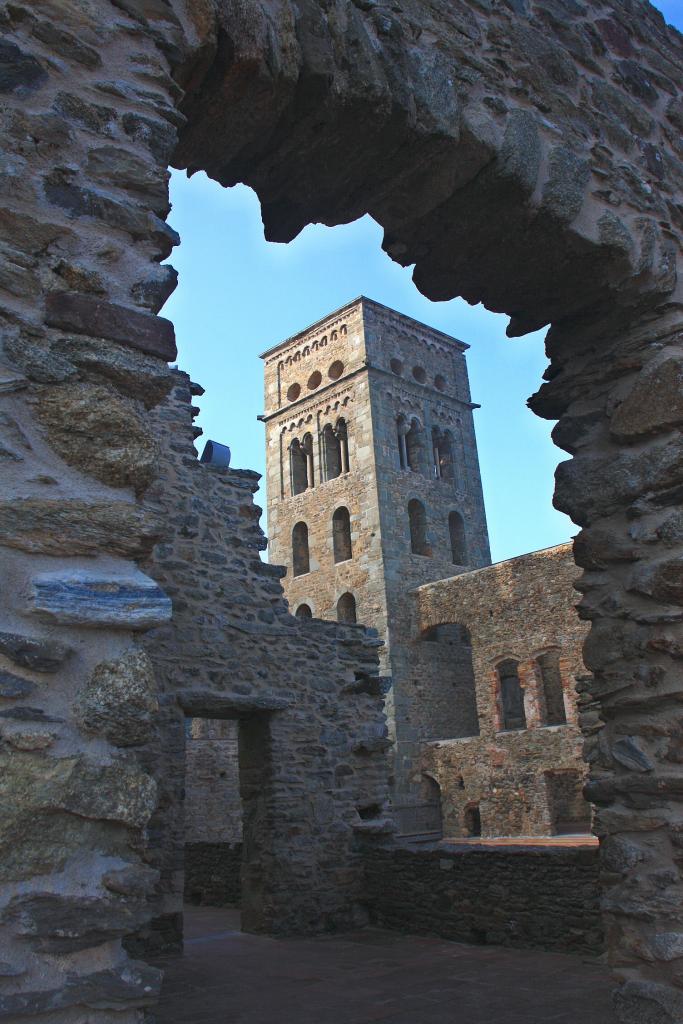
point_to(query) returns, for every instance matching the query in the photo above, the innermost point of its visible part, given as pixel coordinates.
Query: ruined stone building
(522, 154)
(374, 489)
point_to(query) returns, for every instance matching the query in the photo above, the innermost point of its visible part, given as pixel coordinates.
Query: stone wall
(212, 874)
(304, 697)
(538, 898)
(516, 609)
(213, 809)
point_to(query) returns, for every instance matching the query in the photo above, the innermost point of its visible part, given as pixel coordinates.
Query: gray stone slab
(91, 599)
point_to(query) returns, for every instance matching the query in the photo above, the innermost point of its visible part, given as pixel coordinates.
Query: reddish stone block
(86, 314)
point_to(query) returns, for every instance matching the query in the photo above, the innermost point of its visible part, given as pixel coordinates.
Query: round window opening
(396, 366)
(440, 382)
(314, 380)
(293, 392)
(336, 370)
(419, 374)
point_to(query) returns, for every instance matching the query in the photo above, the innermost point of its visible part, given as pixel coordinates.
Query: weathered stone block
(41, 655)
(90, 599)
(654, 404)
(86, 314)
(101, 432)
(12, 686)
(134, 984)
(20, 72)
(119, 701)
(64, 924)
(54, 527)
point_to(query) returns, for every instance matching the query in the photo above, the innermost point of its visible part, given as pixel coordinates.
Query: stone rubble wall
(518, 609)
(537, 898)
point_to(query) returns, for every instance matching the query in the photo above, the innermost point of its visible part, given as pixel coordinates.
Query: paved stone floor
(370, 977)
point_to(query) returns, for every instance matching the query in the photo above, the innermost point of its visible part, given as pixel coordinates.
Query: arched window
(553, 691)
(511, 696)
(304, 612)
(415, 447)
(300, 558)
(410, 444)
(456, 530)
(331, 453)
(298, 463)
(417, 518)
(472, 820)
(442, 448)
(346, 608)
(341, 534)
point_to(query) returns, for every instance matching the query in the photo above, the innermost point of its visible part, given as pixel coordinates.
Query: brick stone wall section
(514, 610)
(538, 898)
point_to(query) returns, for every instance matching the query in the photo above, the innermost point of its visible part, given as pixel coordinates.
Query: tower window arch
(511, 695)
(346, 608)
(442, 448)
(553, 691)
(304, 612)
(417, 520)
(300, 555)
(301, 464)
(341, 534)
(335, 449)
(456, 531)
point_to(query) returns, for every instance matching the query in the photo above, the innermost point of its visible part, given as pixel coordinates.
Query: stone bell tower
(373, 483)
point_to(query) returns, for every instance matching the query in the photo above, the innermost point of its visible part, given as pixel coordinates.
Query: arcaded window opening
(298, 464)
(341, 534)
(442, 450)
(335, 450)
(417, 522)
(511, 696)
(346, 608)
(456, 532)
(414, 441)
(300, 555)
(304, 612)
(553, 690)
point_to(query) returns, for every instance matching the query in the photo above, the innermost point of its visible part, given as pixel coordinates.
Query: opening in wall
(346, 608)
(417, 522)
(511, 696)
(341, 534)
(213, 816)
(300, 556)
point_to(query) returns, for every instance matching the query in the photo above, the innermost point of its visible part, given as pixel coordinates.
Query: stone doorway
(213, 813)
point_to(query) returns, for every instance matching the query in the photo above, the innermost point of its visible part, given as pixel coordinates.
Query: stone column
(621, 416)
(308, 451)
(344, 451)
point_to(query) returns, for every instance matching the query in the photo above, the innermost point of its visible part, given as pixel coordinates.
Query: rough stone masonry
(524, 154)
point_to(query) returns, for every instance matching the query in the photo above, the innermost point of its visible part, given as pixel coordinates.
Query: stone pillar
(622, 423)
(310, 473)
(344, 451)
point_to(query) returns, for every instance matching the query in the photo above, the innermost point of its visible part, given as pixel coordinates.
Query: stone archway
(527, 157)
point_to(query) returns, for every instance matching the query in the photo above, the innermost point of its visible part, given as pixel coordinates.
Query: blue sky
(239, 294)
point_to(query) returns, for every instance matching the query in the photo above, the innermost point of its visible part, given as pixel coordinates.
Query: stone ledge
(85, 314)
